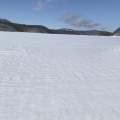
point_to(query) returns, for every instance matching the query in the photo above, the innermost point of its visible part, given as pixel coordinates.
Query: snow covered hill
(59, 77)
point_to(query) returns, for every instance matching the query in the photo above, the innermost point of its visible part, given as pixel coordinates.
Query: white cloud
(41, 4)
(78, 21)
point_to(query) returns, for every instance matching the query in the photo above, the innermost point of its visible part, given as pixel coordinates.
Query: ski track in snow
(59, 77)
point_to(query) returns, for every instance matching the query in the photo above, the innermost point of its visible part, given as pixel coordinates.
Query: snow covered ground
(59, 77)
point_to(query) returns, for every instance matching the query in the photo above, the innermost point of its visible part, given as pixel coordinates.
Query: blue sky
(74, 14)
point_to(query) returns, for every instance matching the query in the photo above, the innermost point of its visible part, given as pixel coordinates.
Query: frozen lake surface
(59, 77)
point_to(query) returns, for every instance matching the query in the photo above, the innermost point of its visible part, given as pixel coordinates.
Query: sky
(56, 14)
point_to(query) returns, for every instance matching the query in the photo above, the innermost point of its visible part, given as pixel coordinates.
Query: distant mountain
(117, 32)
(6, 25)
(90, 32)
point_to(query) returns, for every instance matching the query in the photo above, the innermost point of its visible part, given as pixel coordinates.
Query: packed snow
(59, 77)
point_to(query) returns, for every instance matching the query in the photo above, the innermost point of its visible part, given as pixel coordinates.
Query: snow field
(59, 77)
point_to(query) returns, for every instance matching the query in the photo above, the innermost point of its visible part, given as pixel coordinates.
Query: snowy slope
(59, 77)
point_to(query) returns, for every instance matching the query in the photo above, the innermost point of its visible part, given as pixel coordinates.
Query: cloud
(103, 28)
(41, 4)
(78, 21)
